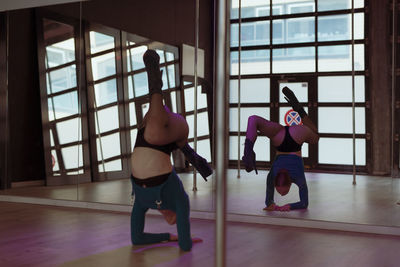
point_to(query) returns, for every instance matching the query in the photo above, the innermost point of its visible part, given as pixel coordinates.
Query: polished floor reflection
(332, 197)
(34, 235)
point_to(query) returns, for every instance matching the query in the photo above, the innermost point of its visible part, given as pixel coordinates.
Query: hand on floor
(282, 208)
(271, 207)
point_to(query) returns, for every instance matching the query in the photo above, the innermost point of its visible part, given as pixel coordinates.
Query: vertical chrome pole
(239, 79)
(394, 84)
(196, 48)
(394, 44)
(79, 66)
(7, 128)
(221, 125)
(353, 93)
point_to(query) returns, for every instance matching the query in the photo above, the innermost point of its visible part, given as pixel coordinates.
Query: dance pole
(394, 51)
(353, 93)
(221, 125)
(394, 43)
(79, 94)
(239, 79)
(196, 48)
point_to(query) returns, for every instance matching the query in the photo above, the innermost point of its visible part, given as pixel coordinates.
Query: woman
(154, 181)
(288, 166)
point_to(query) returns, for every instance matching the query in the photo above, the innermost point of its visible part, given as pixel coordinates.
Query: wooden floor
(32, 235)
(332, 197)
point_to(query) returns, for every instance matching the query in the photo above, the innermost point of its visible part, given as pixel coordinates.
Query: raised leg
(162, 126)
(257, 126)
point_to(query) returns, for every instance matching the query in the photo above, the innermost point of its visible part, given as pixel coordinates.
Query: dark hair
(282, 178)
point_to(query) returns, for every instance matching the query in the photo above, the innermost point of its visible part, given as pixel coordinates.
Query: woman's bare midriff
(147, 162)
(297, 153)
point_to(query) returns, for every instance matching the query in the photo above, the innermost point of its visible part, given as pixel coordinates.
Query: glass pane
(62, 79)
(60, 53)
(173, 101)
(59, 42)
(107, 119)
(261, 148)
(325, 5)
(252, 91)
(171, 76)
(54, 161)
(164, 78)
(332, 28)
(189, 99)
(69, 131)
(339, 89)
(299, 88)
(137, 57)
(359, 26)
(145, 108)
(170, 56)
(297, 30)
(105, 92)
(252, 62)
(108, 146)
(250, 8)
(133, 138)
(359, 57)
(203, 149)
(140, 83)
(132, 114)
(304, 150)
(72, 157)
(100, 42)
(245, 113)
(289, 60)
(338, 58)
(64, 105)
(130, 87)
(202, 124)
(103, 66)
(115, 165)
(339, 120)
(51, 138)
(280, 7)
(340, 151)
(252, 33)
(358, 3)
(161, 54)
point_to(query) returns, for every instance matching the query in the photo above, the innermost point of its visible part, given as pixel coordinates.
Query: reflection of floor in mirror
(33, 235)
(332, 197)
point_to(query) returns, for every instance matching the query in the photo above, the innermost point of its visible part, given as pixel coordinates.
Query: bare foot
(169, 216)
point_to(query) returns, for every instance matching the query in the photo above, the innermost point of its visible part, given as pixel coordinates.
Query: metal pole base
(194, 189)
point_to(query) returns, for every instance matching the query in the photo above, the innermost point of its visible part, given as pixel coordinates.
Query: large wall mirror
(79, 78)
(93, 95)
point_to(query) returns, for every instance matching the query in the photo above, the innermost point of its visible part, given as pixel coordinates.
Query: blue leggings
(295, 166)
(173, 197)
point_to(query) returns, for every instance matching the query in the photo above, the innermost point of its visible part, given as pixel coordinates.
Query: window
(312, 43)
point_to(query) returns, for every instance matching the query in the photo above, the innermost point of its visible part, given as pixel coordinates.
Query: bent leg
(257, 125)
(138, 237)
